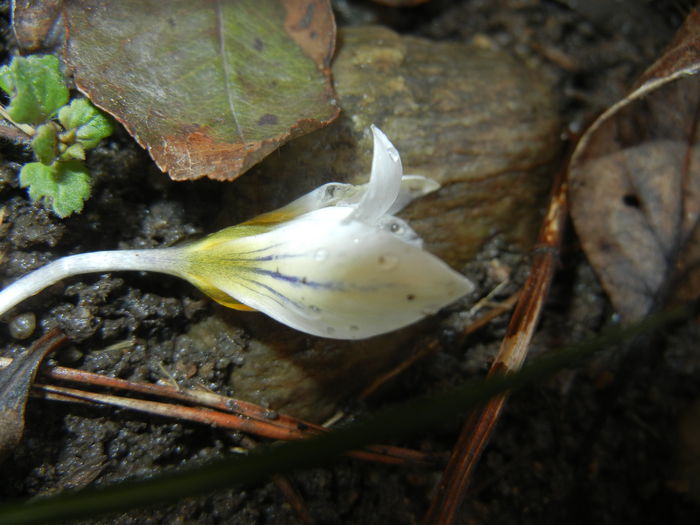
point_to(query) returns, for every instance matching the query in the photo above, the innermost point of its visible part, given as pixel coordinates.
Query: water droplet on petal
(313, 311)
(388, 261)
(321, 254)
(394, 154)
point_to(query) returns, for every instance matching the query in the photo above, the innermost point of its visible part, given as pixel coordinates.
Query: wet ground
(611, 442)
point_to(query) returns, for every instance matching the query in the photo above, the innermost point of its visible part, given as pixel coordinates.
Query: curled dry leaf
(38, 25)
(15, 382)
(209, 88)
(635, 185)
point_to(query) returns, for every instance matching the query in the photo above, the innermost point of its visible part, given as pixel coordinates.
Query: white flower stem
(165, 260)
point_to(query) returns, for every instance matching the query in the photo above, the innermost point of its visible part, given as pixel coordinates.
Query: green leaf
(91, 124)
(35, 176)
(75, 151)
(36, 88)
(65, 184)
(44, 143)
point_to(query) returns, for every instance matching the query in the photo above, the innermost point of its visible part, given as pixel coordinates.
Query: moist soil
(610, 442)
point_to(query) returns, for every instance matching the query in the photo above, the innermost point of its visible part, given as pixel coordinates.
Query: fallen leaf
(635, 185)
(209, 88)
(15, 381)
(38, 25)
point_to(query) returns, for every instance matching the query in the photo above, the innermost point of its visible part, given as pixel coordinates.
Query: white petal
(330, 277)
(384, 181)
(337, 194)
(331, 194)
(412, 187)
(399, 229)
(387, 191)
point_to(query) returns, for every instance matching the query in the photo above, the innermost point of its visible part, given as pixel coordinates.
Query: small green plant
(60, 131)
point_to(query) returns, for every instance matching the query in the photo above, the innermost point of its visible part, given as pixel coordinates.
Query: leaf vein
(227, 67)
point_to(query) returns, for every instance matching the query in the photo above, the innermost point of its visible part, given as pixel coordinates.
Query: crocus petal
(412, 187)
(384, 182)
(386, 192)
(330, 277)
(331, 194)
(338, 194)
(334, 262)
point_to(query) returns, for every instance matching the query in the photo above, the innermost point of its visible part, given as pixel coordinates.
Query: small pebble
(23, 325)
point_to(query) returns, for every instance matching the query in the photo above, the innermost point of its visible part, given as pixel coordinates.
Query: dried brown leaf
(38, 25)
(15, 382)
(209, 88)
(635, 185)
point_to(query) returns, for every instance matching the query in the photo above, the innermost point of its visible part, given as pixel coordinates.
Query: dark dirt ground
(601, 444)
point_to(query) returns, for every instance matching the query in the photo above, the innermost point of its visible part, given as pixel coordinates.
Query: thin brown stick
(489, 316)
(479, 427)
(199, 415)
(293, 497)
(433, 346)
(229, 413)
(426, 349)
(199, 397)
(13, 134)
(285, 486)
(210, 399)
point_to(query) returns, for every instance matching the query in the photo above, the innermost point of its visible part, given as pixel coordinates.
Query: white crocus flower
(333, 263)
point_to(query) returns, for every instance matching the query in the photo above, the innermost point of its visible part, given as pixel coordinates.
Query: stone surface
(290, 371)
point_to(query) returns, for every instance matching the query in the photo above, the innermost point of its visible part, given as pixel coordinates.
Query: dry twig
(433, 346)
(220, 411)
(479, 427)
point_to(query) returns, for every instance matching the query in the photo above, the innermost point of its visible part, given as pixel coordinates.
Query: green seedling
(60, 131)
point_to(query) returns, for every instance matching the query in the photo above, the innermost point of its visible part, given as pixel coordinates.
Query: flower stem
(165, 260)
